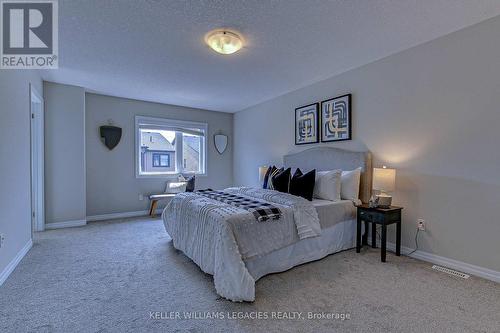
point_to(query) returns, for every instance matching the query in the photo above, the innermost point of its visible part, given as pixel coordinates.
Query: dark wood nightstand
(384, 217)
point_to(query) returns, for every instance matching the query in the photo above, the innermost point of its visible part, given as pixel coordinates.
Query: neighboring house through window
(169, 147)
(161, 160)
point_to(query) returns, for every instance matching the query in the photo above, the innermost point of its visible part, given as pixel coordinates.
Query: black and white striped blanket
(262, 211)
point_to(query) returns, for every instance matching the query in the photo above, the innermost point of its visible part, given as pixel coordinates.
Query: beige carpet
(109, 276)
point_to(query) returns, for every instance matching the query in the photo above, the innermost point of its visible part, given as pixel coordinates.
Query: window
(169, 147)
(161, 160)
(191, 152)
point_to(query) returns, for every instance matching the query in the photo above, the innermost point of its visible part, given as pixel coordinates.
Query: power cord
(416, 243)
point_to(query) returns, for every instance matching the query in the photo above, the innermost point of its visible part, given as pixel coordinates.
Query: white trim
(483, 272)
(124, 215)
(13, 264)
(65, 224)
(142, 121)
(103, 217)
(37, 138)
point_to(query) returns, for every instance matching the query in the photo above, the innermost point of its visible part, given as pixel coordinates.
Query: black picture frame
(347, 97)
(316, 125)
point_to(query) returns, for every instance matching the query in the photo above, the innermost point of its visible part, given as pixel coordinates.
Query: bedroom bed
(238, 247)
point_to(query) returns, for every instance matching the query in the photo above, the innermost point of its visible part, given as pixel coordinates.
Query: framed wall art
(306, 124)
(336, 119)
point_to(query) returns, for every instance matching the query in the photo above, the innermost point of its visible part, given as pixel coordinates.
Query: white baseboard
(13, 264)
(485, 273)
(65, 224)
(113, 216)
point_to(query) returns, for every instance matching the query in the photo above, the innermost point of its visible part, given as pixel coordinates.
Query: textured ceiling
(153, 50)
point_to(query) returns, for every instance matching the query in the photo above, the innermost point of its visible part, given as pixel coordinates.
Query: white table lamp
(384, 180)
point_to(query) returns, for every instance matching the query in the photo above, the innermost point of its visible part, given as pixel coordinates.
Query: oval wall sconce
(220, 141)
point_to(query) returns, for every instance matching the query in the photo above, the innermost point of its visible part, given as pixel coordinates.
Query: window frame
(142, 122)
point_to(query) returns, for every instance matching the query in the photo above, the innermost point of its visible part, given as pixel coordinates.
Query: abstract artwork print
(336, 119)
(306, 124)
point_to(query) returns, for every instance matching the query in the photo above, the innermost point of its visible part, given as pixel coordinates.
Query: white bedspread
(219, 236)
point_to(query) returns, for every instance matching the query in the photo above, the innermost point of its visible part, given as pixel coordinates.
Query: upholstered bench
(154, 201)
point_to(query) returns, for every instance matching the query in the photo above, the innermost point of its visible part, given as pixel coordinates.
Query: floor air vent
(450, 272)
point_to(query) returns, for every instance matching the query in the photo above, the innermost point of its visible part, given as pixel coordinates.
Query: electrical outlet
(421, 224)
(141, 197)
(2, 239)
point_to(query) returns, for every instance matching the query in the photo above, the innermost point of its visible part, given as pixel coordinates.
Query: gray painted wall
(433, 113)
(15, 197)
(111, 183)
(64, 153)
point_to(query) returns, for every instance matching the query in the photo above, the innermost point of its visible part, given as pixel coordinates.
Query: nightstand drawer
(371, 216)
(393, 217)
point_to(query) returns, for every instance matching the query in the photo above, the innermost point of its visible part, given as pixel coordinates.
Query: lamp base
(384, 200)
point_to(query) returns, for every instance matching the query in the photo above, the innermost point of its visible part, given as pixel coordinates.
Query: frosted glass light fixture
(224, 41)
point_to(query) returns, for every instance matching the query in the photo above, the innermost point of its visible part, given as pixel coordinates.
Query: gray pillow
(190, 184)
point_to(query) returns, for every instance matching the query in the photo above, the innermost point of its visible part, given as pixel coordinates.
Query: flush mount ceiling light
(224, 41)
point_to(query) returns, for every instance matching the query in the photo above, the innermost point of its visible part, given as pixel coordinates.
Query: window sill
(169, 176)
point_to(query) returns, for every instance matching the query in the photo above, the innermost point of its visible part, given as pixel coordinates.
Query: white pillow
(349, 190)
(327, 185)
(175, 187)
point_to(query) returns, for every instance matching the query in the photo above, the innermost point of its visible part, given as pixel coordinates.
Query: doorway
(37, 161)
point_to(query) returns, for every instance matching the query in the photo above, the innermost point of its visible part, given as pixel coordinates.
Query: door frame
(37, 140)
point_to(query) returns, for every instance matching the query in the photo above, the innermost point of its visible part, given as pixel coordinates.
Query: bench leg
(151, 207)
(152, 210)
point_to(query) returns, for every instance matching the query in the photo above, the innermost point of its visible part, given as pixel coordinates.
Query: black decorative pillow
(302, 185)
(190, 184)
(281, 180)
(270, 169)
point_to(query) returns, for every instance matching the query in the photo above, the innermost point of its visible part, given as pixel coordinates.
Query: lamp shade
(384, 179)
(262, 173)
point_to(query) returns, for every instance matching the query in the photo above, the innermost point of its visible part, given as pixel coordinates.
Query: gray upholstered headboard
(329, 158)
